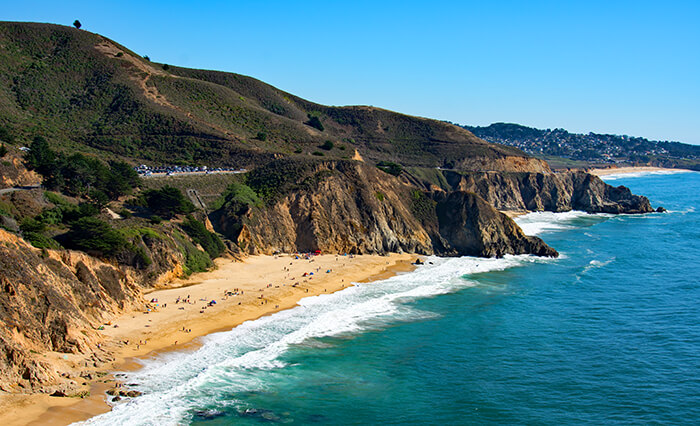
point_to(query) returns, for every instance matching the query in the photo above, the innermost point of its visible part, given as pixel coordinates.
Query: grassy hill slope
(85, 92)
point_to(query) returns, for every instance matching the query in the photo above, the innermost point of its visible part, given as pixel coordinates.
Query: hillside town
(601, 148)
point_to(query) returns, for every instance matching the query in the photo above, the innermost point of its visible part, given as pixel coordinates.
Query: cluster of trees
(167, 202)
(80, 175)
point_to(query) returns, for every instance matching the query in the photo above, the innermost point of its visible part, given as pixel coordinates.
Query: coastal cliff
(533, 191)
(350, 207)
(52, 302)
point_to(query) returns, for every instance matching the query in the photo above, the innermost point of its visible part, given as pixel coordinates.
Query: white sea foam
(593, 264)
(542, 222)
(176, 384)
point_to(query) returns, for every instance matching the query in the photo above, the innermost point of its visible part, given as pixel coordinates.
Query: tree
(123, 178)
(77, 24)
(40, 157)
(327, 145)
(168, 201)
(3, 150)
(91, 234)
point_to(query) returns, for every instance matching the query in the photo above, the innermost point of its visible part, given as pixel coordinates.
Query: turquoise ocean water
(607, 333)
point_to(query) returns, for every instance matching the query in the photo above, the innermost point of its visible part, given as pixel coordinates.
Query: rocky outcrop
(555, 192)
(470, 226)
(355, 208)
(348, 208)
(13, 172)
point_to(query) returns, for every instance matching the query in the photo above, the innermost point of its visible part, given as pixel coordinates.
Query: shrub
(5, 134)
(196, 261)
(298, 150)
(41, 241)
(261, 136)
(237, 195)
(210, 242)
(31, 225)
(390, 167)
(3, 150)
(379, 195)
(141, 259)
(125, 213)
(166, 67)
(55, 199)
(317, 153)
(120, 54)
(155, 219)
(327, 145)
(315, 122)
(422, 206)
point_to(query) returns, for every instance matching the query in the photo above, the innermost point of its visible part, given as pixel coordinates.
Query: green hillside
(86, 93)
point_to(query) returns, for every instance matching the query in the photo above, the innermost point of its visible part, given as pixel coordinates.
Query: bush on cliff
(390, 167)
(209, 241)
(315, 122)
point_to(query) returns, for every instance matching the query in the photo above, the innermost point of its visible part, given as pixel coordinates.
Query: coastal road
(18, 188)
(173, 174)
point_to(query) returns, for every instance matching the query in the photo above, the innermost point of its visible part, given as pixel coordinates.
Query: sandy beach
(208, 302)
(628, 170)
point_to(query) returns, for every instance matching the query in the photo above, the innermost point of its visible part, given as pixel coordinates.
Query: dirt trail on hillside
(151, 92)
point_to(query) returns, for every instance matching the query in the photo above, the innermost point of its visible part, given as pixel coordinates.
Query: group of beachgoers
(154, 304)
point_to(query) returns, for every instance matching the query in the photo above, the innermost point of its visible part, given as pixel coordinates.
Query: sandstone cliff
(350, 207)
(51, 301)
(545, 191)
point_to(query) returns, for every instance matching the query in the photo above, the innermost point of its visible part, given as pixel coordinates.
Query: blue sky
(626, 67)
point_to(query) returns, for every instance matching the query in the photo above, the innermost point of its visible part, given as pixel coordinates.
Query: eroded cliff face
(355, 208)
(503, 164)
(52, 301)
(14, 173)
(352, 208)
(470, 226)
(555, 192)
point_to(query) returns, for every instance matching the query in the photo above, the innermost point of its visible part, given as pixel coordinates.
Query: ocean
(607, 333)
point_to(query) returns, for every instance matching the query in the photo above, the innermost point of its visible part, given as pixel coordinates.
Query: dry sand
(627, 170)
(261, 285)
